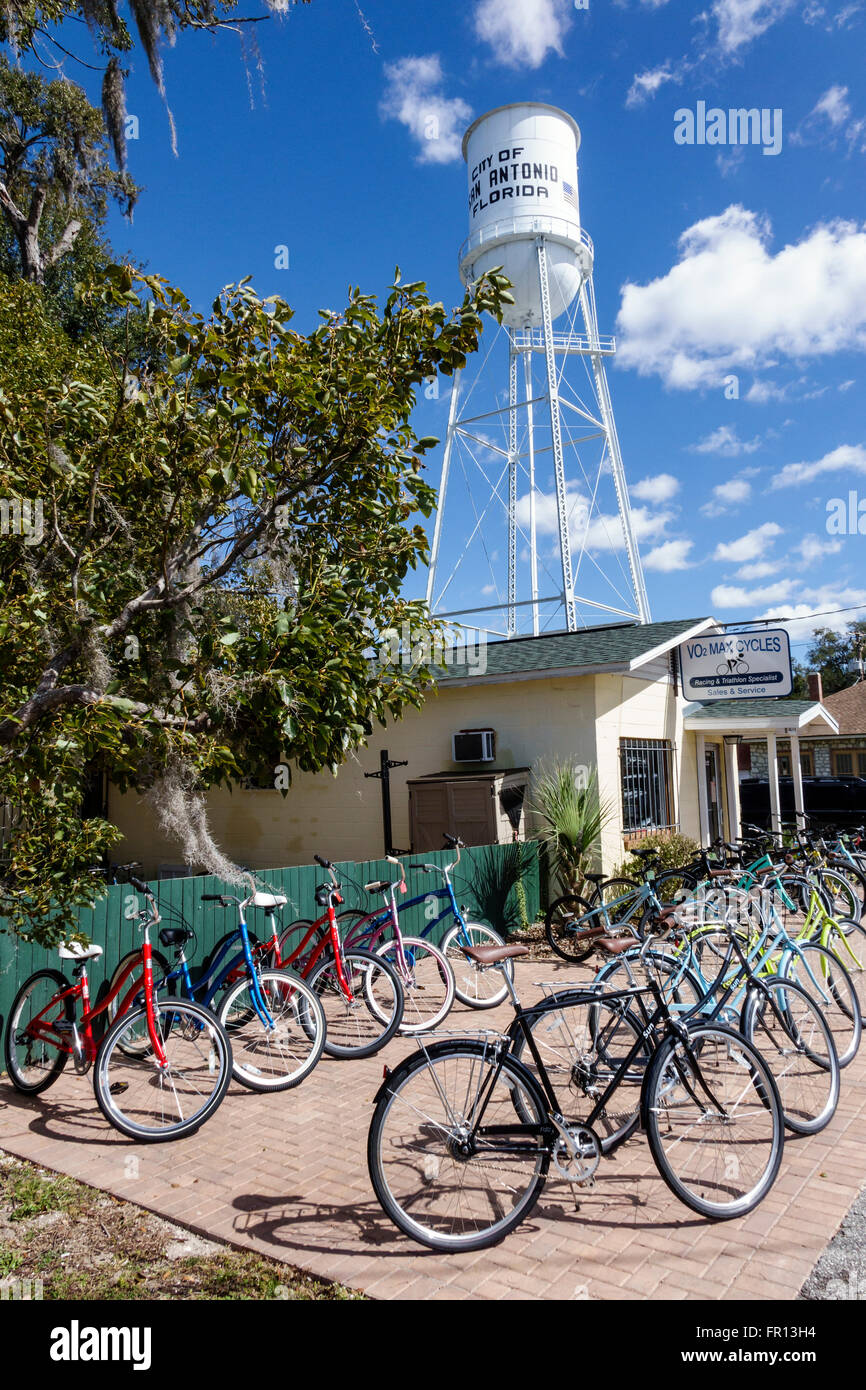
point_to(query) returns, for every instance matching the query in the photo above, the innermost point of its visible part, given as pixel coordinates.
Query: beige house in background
(606, 697)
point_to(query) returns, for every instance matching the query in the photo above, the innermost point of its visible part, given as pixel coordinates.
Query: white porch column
(773, 774)
(732, 776)
(797, 774)
(703, 805)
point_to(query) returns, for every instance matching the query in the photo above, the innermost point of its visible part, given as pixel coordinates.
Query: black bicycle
(464, 1132)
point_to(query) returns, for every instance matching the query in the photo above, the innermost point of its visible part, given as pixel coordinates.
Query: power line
(827, 613)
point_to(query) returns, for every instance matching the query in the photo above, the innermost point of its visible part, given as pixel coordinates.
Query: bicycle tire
(59, 1059)
(843, 898)
(562, 927)
(833, 991)
(419, 1177)
(159, 964)
(133, 1078)
(581, 1056)
(259, 1054)
(847, 941)
(428, 969)
(808, 1087)
(672, 1090)
(609, 890)
(854, 875)
(300, 927)
(345, 1020)
(670, 883)
(471, 981)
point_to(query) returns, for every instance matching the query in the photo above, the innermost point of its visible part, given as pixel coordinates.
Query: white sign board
(736, 665)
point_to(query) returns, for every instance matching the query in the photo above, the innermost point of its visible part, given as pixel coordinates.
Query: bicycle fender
(438, 1049)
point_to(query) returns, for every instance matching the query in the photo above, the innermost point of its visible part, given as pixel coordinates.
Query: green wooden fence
(108, 925)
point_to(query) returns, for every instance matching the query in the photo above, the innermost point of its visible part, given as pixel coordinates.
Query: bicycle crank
(576, 1153)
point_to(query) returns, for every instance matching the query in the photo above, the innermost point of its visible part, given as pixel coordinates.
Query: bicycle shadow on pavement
(365, 1223)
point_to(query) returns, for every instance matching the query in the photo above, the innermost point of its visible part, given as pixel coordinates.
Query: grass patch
(84, 1244)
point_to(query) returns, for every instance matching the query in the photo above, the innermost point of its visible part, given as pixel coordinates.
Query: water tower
(539, 457)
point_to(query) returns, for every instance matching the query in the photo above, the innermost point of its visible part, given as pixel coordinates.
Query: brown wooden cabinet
(483, 808)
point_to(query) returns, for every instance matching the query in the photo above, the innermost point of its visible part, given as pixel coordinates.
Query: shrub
(674, 851)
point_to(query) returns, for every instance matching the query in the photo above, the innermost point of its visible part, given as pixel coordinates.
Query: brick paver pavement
(286, 1175)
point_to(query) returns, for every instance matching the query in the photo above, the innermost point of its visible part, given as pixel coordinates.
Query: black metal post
(384, 775)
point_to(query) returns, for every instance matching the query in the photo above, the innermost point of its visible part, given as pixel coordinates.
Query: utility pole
(384, 775)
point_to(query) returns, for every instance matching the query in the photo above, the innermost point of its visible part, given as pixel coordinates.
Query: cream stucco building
(606, 698)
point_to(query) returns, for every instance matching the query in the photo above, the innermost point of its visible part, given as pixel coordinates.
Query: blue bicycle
(479, 987)
(275, 1021)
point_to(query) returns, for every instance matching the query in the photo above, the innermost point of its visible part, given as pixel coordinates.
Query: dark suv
(828, 800)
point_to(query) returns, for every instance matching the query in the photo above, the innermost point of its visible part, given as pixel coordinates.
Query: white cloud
(646, 84)
(587, 527)
(522, 32)
(846, 385)
(733, 596)
(834, 104)
(740, 22)
(802, 617)
(661, 488)
(812, 548)
(730, 303)
(726, 441)
(760, 392)
(832, 117)
(414, 97)
(849, 456)
(749, 546)
(761, 569)
(671, 555)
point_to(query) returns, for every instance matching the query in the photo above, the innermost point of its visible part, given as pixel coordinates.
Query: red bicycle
(360, 993)
(161, 1069)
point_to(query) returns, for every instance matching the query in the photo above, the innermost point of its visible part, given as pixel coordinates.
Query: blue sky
(711, 261)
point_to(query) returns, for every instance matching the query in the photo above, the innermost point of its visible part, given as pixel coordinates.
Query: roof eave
(745, 724)
(664, 647)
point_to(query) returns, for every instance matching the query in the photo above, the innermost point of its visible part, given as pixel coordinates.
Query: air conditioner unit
(473, 746)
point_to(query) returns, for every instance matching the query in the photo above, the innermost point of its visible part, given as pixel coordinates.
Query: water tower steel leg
(443, 485)
(587, 304)
(556, 433)
(512, 488)
(533, 544)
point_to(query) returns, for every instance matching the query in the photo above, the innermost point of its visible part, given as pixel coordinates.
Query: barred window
(646, 767)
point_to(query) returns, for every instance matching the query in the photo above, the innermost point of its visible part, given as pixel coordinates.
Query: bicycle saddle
(615, 945)
(379, 885)
(594, 878)
(492, 955)
(73, 950)
(173, 936)
(269, 900)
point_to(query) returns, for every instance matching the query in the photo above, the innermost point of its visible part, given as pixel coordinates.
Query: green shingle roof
(750, 709)
(614, 645)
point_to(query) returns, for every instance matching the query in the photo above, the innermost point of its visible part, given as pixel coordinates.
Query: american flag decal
(569, 194)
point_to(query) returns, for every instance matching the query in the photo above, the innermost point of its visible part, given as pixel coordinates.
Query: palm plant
(496, 884)
(571, 815)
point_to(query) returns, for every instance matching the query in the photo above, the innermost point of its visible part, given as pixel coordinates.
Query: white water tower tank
(522, 166)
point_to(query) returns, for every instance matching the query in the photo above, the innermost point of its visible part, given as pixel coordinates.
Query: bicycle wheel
(847, 941)
(278, 1055)
(34, 1062)
(476, 986)
(443, 1185)
(673, 886)
(565, 929)
(363, 1022)
(290, 939)
(427, 980)
(823, 976)
(582, 1043)
(150, 1102)
(790, 1032)
(609, 891)
(842, 897)
(160, 970)
(714, 1121)
(854, 877)
(680, 986)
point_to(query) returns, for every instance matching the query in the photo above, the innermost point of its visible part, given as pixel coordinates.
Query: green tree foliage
(571, 815)
(835, 655)
(227, 524)
(55, 172)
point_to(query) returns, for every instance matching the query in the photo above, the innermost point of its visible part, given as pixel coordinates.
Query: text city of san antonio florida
(508, 175)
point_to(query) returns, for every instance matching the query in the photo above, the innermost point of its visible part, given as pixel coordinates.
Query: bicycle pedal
(117, 1088)
(64, 1025)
